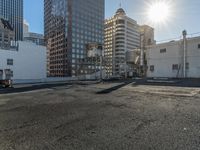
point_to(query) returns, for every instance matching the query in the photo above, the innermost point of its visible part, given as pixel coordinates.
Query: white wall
(29, 61)
(174, 55)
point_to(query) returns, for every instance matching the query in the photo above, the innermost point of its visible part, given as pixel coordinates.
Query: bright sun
(159, 12)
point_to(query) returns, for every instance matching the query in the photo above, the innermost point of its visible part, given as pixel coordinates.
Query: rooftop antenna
(120, 5)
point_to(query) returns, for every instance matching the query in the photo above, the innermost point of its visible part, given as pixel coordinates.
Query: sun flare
(159, 12)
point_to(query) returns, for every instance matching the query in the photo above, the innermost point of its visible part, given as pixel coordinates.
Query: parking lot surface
(102, 116)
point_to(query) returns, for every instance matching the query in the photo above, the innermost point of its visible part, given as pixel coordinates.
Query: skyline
(184, 16)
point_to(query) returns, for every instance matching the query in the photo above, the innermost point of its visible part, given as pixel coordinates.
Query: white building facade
(26, 62)
(167, 59)
(122, 34)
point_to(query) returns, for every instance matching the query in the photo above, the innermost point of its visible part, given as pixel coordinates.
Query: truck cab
(5, 78)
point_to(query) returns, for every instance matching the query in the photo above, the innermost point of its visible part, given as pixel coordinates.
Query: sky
(185, 14)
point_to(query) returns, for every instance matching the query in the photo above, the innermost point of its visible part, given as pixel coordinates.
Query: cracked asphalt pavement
(83, 117)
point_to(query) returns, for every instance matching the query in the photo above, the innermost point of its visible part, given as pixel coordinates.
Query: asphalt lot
(109, 116)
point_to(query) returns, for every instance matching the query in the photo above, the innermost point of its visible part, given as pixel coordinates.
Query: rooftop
(120, 11)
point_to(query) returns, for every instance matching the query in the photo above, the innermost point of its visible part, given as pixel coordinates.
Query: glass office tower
(69, 26)
(12, 10)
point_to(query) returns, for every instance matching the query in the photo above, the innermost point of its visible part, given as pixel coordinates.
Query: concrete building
(12, 10)
(25, 61)
(122, 34)
(6, 34)
(92, 63)
(167, 59)
(32, 37)
(148, 36)
(69, 26)
(25, 28)
(146, 39)
(125, 43)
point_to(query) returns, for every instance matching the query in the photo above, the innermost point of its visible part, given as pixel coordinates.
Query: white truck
(5, 78)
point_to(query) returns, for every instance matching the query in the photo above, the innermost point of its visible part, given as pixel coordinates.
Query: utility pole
(184, 52)
(141, 53)
(101, 64)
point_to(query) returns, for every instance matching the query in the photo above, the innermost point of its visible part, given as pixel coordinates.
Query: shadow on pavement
(31, 88)
(114, 88)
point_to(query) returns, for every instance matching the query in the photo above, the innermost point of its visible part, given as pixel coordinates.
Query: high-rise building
(122, 34)
(69, 26)
(6, 34)
(12, 10)
(125, 44)
(25, 28)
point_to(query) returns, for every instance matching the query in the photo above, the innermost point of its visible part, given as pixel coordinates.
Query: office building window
(10, 62)
(1, 74)
(175, 67)
(198, 46)
(164, 50)
(187, 66)
(152, 68)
